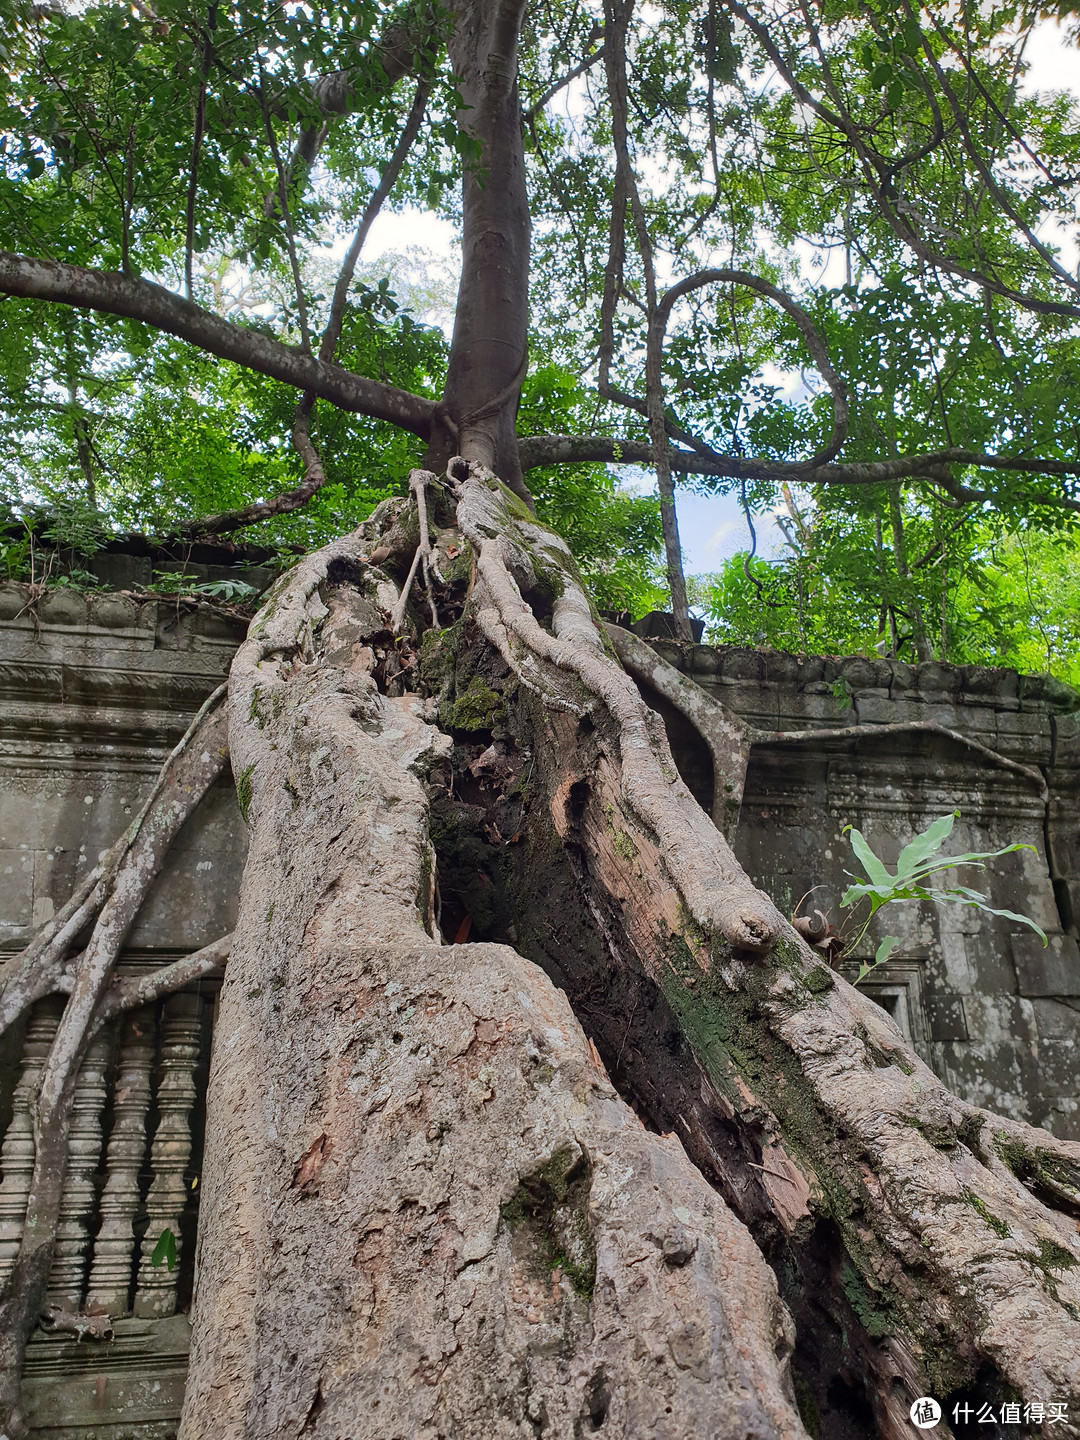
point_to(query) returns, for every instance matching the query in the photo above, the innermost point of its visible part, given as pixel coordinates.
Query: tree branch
(407, 41)
(549, 94)
(138, 990)
(539, 450)
(875, 170)
(314, 473)
(806, 327)
(131, 298)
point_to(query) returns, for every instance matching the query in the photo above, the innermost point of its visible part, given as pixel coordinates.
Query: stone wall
(992, 1011)
(95, 690)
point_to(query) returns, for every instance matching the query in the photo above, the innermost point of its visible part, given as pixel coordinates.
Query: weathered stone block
(16, 891)
(784, 669)
(115, 612)
(120, 571)
(946, 1018)
(985, 680)
(738, 663)
(862, 674)
(901, 677)
(63, 607)
(1054, 970)
(933, 678)
(811, 668)
(1056, 1019)
(703, 660)
(14, 600)
(218, 625)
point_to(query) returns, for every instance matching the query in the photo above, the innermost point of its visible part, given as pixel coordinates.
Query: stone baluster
(67, 1278)
(114, 1247)
(171, 1151)
(17, 1153)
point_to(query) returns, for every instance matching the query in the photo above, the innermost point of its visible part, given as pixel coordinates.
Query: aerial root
(114, 894)
(512, 551)
(419, 480)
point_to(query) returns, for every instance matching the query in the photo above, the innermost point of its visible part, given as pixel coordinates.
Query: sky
(712, 528)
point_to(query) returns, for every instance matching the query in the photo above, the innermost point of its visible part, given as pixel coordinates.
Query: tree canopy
(822, 259)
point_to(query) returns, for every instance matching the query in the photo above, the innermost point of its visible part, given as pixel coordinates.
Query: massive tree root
(426, 1210)
(76, 954)
(410, 1220)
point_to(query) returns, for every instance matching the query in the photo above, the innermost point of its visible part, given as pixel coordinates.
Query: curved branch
(918, 727)
(807, 329)
(403, 49)
(138, 990)
(549, 94)
(111, 293)
(874, 167)
(724, 732)
(538, 450)
(182, 782)
(43, 967)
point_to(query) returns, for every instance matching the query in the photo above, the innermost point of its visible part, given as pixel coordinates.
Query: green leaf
(923, 846)
(165, 1250)
(885, 949)
(869, 861)
(961, 895)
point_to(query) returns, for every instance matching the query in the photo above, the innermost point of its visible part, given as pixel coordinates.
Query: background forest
(108, 427)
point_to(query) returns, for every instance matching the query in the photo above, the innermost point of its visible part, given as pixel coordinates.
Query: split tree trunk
(426, 1209)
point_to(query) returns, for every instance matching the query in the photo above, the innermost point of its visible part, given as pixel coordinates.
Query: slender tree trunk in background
(923, 648)
(489, 349)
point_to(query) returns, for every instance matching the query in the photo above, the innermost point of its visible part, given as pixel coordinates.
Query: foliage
(918, 861)
(890, 168)
(164, 1252)
(168, 582)
(995, 597)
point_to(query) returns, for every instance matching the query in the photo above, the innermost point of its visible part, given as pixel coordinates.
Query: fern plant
(917, 863)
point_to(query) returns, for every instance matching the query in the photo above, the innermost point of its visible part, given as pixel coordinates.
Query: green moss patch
(550, 1210)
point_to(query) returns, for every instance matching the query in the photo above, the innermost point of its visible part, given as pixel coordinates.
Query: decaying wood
(425, 1209)
(429, 1205)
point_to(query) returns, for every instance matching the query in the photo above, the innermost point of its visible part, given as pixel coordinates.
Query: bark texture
(489, 351)
(632, 1158)
(426, 1210)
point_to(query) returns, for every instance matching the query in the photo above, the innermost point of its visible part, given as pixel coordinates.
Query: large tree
(428, 1210)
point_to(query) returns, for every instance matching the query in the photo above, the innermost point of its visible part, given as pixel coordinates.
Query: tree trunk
(489, 349)
(427, 1209)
